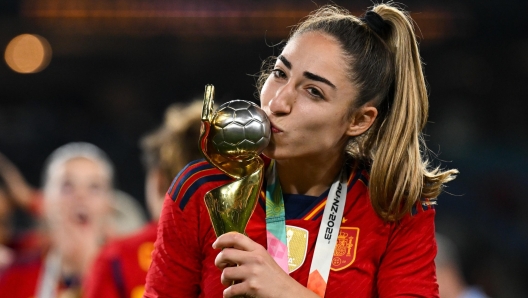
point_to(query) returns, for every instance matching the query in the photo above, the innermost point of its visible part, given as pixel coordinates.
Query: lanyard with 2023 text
(326, 237)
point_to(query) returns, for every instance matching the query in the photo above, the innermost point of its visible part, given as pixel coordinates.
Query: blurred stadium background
(103, 71)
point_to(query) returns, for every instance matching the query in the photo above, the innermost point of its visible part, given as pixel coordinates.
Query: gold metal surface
(230, 206)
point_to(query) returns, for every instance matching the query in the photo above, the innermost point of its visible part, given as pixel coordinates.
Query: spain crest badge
(346, 247)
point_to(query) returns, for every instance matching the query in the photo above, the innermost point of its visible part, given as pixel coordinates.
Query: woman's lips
(275, 129)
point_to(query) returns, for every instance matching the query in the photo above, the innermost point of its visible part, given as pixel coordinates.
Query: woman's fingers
(235, 240)
(247, 268)
(237, 290)
(229, 257)
(233, 274)
(237, 249)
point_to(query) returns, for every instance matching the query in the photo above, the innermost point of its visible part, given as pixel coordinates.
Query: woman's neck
(308, 176)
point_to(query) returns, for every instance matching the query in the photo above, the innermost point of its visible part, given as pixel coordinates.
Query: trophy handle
(235, 169)
(207, 110)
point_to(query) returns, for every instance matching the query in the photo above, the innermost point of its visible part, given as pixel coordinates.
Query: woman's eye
(315, 92)
(67, 187)
(96, 188)
(278, 73)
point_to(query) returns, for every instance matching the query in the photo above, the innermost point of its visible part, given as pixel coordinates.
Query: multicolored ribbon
(276, 220)
(326, 238)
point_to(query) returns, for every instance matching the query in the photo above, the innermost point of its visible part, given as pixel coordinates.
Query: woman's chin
(270, 151)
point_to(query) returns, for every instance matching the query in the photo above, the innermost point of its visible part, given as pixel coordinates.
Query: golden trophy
(232, 139)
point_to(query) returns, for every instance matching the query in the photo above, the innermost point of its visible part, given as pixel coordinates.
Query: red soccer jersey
(372, 258)
(20, 280)
(23, 277)
(120, 269)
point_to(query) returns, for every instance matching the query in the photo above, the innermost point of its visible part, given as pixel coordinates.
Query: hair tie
(376, 23)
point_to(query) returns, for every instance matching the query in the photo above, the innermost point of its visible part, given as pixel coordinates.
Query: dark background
(117, 65)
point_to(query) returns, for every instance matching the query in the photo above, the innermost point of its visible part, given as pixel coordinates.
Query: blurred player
(451, 281)
(77, 192)
(121, 268)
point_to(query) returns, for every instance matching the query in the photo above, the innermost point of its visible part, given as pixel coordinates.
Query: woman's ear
(361, 120)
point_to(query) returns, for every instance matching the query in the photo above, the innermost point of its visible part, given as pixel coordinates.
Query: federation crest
(346, 247)
(297, 239)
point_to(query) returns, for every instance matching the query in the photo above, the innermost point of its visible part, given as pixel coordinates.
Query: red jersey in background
(23, 278)
(120, 269)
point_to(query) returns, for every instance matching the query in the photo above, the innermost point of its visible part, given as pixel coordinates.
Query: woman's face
(78, 194)
(308, 97)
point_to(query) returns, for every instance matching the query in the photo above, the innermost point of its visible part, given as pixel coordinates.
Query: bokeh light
(28, 53)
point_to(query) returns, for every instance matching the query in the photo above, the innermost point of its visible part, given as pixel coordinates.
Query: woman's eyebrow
(285, 61)
(315, 77)
(307, 74)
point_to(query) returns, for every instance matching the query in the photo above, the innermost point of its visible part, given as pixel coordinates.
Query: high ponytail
(400, 174)
(385, 66)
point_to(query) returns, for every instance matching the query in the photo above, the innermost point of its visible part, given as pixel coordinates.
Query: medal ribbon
(326, 238)
(49, 276)
(276, 220)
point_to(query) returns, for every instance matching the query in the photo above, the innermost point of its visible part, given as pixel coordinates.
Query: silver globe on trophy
(231, 140)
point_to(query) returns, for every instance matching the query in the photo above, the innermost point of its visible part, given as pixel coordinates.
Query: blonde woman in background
(121, 268)
(77, 193)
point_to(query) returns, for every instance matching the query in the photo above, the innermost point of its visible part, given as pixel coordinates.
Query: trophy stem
(230, 206)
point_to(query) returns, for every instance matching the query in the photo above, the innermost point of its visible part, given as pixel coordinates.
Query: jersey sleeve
(407, 269)
(100, 281)
(176, 265)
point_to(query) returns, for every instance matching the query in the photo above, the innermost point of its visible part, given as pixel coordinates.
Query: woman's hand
(255, 272)
(21, 192)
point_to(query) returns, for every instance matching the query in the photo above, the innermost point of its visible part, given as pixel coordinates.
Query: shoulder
(424, 205)
(359, 179)
(118, 247)
(360, 175)
(28, 260)
(197, 176)
(420, 221)
(25, 268)
(358, 183)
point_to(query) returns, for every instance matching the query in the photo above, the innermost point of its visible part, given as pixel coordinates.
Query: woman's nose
(282, 102)
(82, 194)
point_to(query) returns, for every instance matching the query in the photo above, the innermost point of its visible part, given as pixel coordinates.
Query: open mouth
(82, 218)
